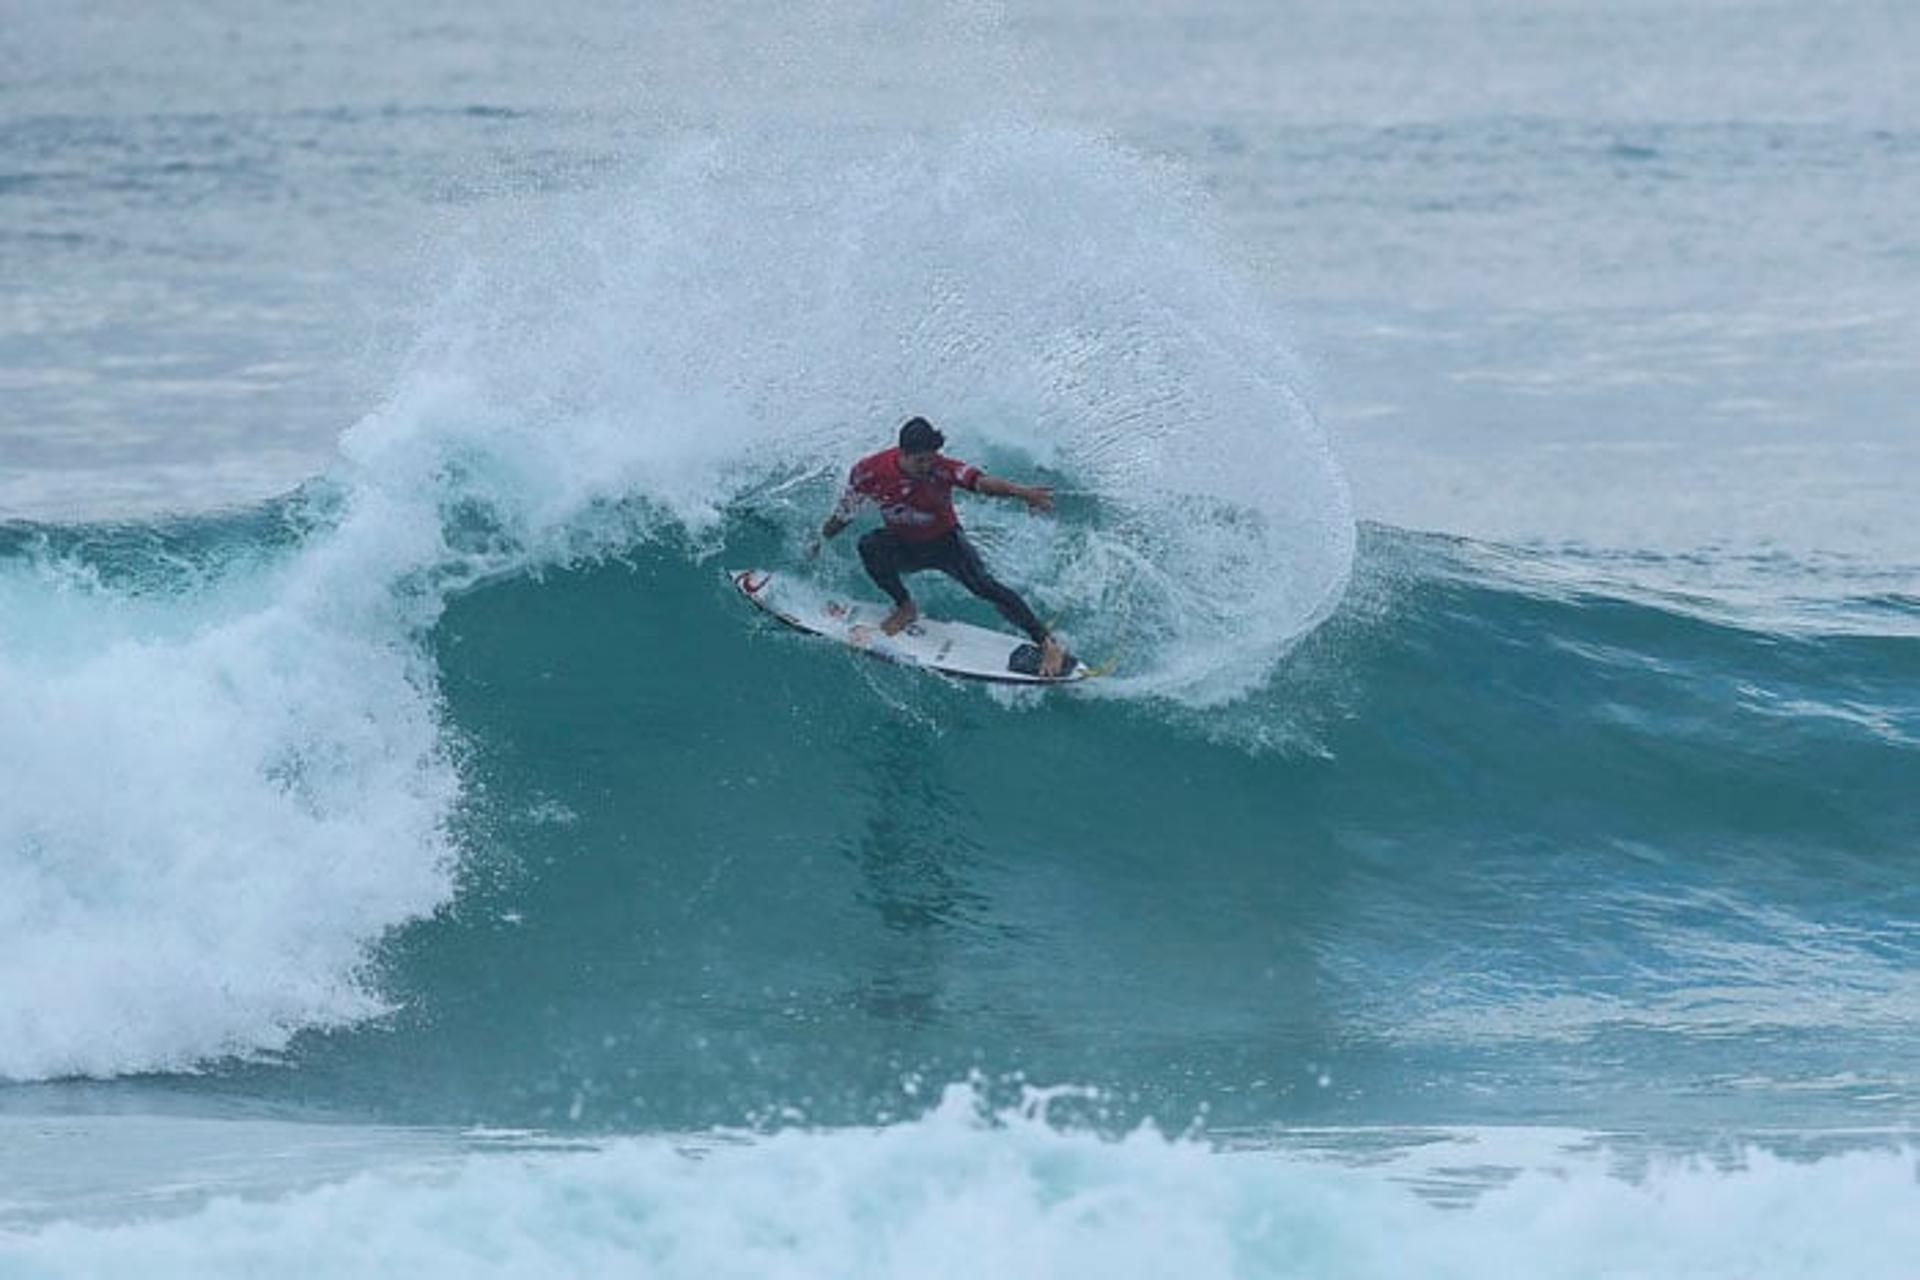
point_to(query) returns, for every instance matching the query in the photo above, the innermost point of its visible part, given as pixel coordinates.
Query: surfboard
(956, 648)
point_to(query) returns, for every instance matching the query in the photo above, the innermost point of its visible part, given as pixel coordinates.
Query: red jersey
(917, 510)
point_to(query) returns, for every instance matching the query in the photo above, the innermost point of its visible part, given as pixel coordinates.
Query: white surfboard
(956, 648)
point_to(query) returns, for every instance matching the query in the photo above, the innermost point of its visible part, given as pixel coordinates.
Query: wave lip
(750, 312)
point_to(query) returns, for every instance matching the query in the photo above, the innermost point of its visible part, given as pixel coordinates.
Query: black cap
(919, 436)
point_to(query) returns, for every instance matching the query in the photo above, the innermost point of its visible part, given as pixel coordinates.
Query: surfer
(913, 484)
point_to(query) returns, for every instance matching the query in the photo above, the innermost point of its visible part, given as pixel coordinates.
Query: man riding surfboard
(913, 485)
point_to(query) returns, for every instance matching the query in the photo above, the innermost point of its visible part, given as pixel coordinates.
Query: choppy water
(1498, 836)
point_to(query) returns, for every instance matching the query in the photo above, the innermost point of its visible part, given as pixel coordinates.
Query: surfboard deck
(955, 648)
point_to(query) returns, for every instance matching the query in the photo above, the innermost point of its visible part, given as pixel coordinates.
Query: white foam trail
(954, 1196)
(777, 305)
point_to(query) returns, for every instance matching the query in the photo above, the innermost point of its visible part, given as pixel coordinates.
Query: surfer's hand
(1039, 497)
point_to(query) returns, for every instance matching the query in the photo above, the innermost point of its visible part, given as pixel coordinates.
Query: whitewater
(1493, 853)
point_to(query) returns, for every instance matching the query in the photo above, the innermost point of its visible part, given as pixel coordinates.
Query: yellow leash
(1105, 668)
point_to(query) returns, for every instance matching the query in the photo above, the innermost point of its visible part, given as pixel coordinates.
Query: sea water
(1483, 436)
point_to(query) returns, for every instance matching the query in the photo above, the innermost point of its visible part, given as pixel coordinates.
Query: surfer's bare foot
(901, 618)
(1052, 657)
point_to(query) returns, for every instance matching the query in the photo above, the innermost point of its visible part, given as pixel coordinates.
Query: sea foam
(960, 1193)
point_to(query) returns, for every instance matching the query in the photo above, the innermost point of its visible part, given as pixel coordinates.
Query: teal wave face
(1473, 849)
(1477, 849)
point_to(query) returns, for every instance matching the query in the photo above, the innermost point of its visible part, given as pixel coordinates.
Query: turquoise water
(682, 872)
(1644, 868)
(1493, 852)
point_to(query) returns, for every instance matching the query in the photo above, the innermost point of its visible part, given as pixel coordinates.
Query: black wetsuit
(887, 555)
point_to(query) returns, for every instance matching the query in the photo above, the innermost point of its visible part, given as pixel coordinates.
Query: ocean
(1484, 437)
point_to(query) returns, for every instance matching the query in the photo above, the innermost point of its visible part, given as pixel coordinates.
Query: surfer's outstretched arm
(835, 523)
(1038, 497)
(851, 500)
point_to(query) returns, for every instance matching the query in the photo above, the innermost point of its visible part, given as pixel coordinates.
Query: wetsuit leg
(960, 561)
(880, 553)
